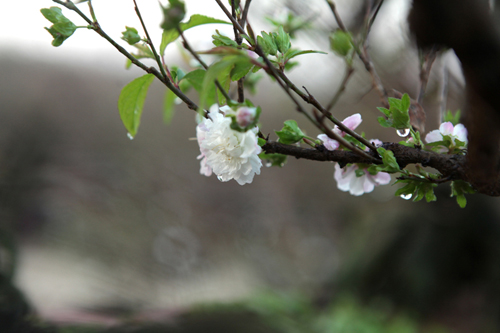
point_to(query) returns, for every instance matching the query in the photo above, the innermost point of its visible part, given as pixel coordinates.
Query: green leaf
(131, 36)
(240, 69)
(168, 106)
(195, 20)
(267, 43)
(282, 40)
(53, 14)
(219, 70)
(62, 27)
(131, 102)
(458, 189)
(290, 133)
(294, 53)
(405, 102)
(454, 119)
(196, 79)
(389, 161)
(341, 43)
(221, 40)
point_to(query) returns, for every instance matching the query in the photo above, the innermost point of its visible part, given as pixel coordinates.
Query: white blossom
(347, 180)
(227, 153)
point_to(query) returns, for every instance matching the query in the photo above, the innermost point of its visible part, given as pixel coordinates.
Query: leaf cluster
(62, 27)
(290, 133)
(397, 115)
(417, 187)
(458, 189)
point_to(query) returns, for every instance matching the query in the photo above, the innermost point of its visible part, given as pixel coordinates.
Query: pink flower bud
(245, 116)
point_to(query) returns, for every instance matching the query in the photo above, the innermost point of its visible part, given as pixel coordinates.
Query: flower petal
(446, 128)
(433, 136)
(329, 144)
(352, 121)
(460, 132)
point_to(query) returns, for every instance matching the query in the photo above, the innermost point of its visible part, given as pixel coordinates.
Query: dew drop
(130, 136)
(403, 132)
(219, 178)
(269, 164)
(406, 196)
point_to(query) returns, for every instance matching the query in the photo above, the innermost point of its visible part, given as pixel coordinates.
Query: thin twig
(372, 19)
(150, 42)
(97, 28)
(309, 98)
(239, 40)
(245, 13)
(188, 47)
(286, 85)
(333, 7)
(341, 89)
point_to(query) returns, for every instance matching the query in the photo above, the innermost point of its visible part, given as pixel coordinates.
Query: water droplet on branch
(406, 196)
(403, 132)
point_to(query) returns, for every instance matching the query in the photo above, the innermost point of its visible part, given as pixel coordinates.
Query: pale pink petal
(368, 185)
(446, 128)
(433, 136)
(352, 121)
(381, 178)
(329, 144)
(343, 177)
(460, 132)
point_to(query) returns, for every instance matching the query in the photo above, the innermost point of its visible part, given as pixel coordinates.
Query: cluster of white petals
(350, 122)
(227, 153)
(457, 132)
(347, 180)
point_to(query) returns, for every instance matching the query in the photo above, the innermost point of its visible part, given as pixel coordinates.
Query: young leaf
(195, 20)
(267, 43)
(454, 119)
(131, 102)
(282, 40)
(341, 43)
(291, 53)
(290, 133)
(62, 27)
(240, 70)
(131, 36)
(221, 40)
(218, 70)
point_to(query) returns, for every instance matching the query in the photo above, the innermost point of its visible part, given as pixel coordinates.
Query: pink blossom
(347, 180)
(350, 122)
(457, 132)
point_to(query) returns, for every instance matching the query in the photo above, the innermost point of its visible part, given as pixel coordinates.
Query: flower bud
(245, 116)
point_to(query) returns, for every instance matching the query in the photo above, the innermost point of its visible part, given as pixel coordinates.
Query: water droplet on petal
(403, 132)
(130, 136)
(406, 196)
(219, 178)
